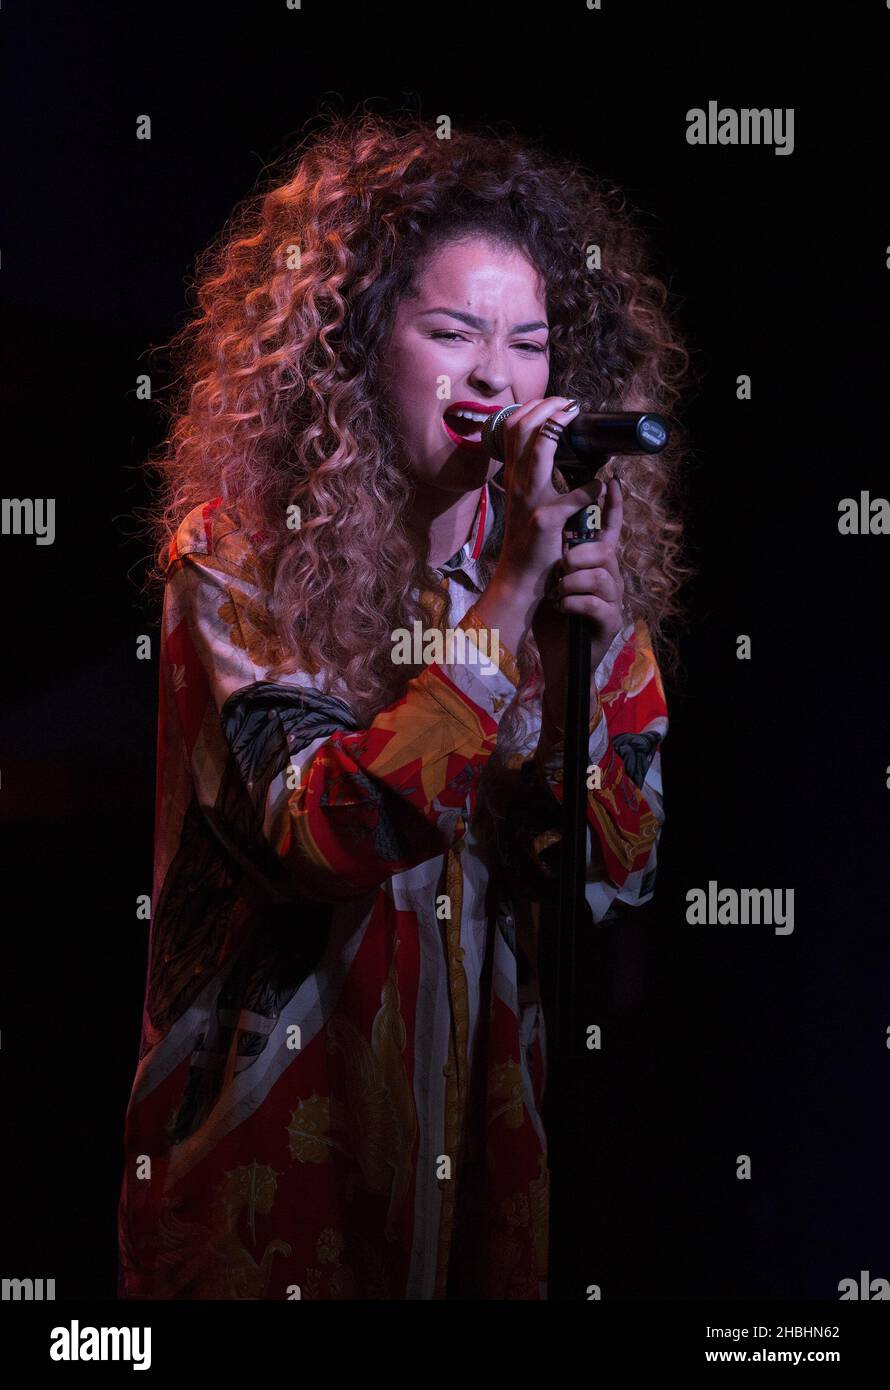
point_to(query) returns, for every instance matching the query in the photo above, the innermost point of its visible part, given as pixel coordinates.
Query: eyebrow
(483, 324)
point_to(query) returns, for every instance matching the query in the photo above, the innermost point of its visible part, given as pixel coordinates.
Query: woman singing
(342, 1060)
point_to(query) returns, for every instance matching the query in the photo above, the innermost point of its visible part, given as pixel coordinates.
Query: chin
(461, 471)
(464, 464)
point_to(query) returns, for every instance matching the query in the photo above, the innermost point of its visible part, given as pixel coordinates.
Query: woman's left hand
(589, 583)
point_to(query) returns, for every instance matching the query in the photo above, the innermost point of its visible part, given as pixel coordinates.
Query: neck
(446, 520)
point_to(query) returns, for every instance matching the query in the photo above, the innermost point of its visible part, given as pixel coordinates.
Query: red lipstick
(472, 439)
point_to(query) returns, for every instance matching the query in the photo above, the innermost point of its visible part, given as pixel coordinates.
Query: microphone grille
(493, 431)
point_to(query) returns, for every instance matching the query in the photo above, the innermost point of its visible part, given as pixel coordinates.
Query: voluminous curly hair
(277, 399)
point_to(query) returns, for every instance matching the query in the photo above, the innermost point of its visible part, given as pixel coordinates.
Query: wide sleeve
(341, 808)
(625, 806)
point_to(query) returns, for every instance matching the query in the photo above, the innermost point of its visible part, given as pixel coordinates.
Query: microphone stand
(566, 1095)
(567, 943)
(574, 909)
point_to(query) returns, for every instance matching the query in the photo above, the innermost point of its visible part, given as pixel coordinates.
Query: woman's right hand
(535, 512)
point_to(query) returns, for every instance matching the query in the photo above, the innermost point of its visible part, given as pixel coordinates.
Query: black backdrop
(722, 1040)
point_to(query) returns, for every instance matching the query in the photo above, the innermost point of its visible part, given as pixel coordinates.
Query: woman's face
(436, 360)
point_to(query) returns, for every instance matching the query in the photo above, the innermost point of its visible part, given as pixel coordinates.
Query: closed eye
(450, 336)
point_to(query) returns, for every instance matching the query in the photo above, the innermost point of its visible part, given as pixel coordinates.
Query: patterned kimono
(342, 1056)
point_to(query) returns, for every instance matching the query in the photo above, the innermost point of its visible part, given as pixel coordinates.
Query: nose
(490, 376)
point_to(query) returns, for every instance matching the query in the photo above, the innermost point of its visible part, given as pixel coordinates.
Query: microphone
(590, 437)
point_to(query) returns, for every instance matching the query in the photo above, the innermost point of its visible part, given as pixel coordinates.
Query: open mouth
(465, 427)
(462, 429)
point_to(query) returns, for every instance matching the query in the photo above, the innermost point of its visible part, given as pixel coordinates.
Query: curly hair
(277, 399)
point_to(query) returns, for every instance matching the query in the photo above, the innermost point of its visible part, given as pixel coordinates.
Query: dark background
(718, 1040)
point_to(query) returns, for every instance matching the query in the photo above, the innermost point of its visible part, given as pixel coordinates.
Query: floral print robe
(343, 1054)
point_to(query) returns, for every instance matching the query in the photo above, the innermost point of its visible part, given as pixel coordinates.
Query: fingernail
(570, 405)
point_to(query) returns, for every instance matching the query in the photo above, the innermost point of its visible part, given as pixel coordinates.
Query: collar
(487, 523)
